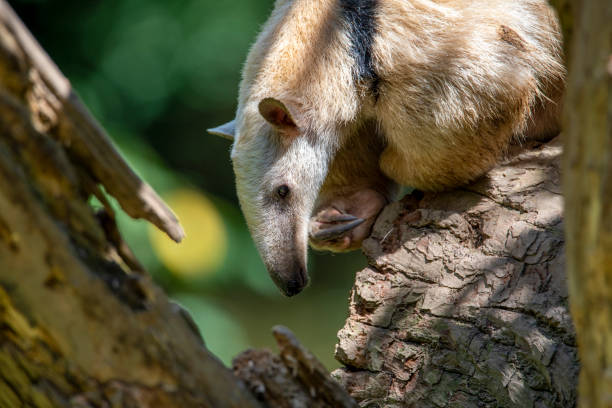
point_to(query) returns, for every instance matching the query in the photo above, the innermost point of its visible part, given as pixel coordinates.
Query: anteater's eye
(283, 191)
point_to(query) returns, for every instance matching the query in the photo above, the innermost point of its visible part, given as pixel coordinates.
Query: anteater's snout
(292, 280)
(295, 286)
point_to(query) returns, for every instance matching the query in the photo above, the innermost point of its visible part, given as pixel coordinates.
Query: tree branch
(78, 326)
(59, 110)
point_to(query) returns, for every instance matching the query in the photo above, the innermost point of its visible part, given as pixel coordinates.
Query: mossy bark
(81, 325)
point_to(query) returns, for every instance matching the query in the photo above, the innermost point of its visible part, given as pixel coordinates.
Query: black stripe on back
(360, 18)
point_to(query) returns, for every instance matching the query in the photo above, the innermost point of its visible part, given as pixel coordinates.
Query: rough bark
(295, 379)
(588, 187)
(464, 303)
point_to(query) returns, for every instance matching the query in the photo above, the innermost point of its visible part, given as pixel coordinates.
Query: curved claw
(338, 229)
(336, 218)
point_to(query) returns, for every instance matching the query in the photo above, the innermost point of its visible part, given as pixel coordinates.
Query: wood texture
(295, 379)
(76, 129)
(80, 324)
(588, 188)
(464, 303)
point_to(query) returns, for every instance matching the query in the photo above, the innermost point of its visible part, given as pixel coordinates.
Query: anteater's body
(342, 100)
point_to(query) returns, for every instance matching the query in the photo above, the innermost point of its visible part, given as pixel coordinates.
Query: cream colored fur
(459, 81)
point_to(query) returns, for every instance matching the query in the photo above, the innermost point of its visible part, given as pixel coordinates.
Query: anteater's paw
(330, 229)
(343, 222)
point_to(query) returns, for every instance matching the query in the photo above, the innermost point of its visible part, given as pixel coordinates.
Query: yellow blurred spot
(204, 248)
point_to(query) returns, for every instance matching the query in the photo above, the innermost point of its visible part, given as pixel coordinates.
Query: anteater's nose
(294, 287)
(293, 281)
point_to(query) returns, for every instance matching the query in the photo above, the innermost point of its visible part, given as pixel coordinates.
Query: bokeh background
(157, 74)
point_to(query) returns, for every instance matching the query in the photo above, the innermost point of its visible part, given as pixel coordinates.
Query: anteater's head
(280, 166)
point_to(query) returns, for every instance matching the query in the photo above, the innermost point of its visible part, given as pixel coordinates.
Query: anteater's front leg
(343, 220)
(354, 193)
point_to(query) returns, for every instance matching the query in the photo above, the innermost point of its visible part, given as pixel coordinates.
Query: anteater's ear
(227, 130)
(275, 112)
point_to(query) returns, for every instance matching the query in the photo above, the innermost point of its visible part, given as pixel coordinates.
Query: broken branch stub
(294, 379)
(60, 111)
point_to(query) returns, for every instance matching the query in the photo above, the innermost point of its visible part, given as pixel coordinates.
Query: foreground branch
(30, 74)
(80, 325)
(295, 379)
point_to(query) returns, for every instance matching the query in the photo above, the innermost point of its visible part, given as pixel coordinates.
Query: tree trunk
(465, 302)
(588, 187)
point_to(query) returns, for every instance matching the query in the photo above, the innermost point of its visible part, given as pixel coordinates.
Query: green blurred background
(157, 73)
